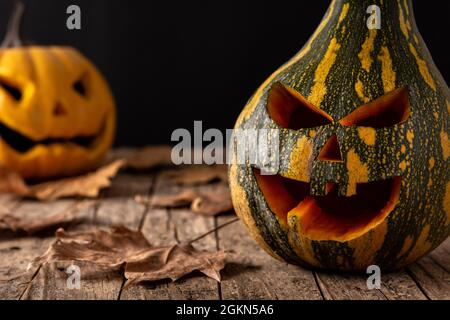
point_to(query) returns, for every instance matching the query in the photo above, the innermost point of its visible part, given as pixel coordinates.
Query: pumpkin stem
(12, 38)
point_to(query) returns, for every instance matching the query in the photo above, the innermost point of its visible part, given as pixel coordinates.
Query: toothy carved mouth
(23, 144)
(330, 217)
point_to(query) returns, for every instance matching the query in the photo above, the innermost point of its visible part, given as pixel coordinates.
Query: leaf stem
(214, 230)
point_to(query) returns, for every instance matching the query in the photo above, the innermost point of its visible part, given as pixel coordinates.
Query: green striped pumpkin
(363, 120)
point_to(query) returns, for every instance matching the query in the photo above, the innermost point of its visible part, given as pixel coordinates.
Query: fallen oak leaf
(181, 199)
(130, 249)
(33, 225)
(212, 204)
(12, 182)
(145, 158)
(106, 249)
(174, 262)
(88, 185)
(197, 174)
(208, 202)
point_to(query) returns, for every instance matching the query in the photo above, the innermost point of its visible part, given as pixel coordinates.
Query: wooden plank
(335, 286)
(431, 273)
(400, 286)
(253, 274)
(249, 274)
(347, 286)
(118, 206)
(115, 207)
(166, 227)
(428, 278)
(18, 251)
(15, 256)
(50, 283)
(8, 202)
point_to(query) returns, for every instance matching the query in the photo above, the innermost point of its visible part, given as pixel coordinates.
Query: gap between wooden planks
(250, 273)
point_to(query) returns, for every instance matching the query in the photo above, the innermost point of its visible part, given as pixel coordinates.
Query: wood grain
(431, 273)
(171, 226)
(249, 274)
(116, 207)
(253, 274)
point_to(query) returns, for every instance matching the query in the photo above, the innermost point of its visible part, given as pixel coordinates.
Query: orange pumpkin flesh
(283, 107)
(386, 111)
(330, 217)
(331, 151)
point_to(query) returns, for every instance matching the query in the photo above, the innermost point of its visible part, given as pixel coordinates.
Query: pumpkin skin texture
(363, 122)
(57, 113)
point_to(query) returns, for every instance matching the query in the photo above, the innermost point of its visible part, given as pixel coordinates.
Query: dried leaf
(145, 158)
(11, 182)
(174, 262)
(130, 249)
(182, 199)
(32, 225)
(197, 174)
(88, 185)
(212, 203)
(208, 202)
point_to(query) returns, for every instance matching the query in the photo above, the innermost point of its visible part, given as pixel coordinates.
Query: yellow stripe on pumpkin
(366, 50)
(366, 247)
(421, 247)
(319, 89)
(423, 68)
(344, 12)
(367, 135)
(403, 23)
(358, 172)
(360, 91)
(299, 160)
(445, 144)
(388, 75)
(240, 203)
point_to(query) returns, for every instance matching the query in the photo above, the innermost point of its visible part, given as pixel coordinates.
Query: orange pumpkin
(57, 113)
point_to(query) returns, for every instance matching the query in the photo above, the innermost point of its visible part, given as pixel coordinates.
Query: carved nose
(59, 110)
(331, 151)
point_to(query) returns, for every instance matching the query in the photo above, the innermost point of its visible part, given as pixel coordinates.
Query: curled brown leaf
(33, 225)
(130, 249)
(11, 182)
(197, 174)
(145, 158)
(213, 203)
(209, 201)
(88, 185)
(181, 199)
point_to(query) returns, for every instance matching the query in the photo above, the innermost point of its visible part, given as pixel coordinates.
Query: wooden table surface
(250, 273)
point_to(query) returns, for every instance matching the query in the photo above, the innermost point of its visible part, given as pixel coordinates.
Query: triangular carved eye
(383, 112)
(290, 110)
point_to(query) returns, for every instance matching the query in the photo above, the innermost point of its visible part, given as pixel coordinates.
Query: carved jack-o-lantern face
(332, 199)
(57, 114)
(364, 159)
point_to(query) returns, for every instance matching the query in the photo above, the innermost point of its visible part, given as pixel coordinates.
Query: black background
(170, 63)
